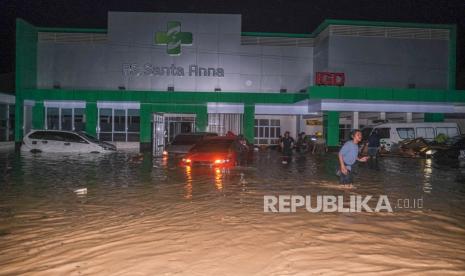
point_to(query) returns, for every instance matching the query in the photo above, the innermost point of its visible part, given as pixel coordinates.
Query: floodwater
(152, 217)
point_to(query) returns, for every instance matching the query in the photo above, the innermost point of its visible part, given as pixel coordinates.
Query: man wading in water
(348, 155)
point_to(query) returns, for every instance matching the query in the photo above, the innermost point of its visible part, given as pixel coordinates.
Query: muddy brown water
(152, 217)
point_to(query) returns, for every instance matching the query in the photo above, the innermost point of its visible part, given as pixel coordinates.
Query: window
(11, 123)
(221, 123)
(384, 133)
(186, 139)
(39, 135)
(3, 122)
(53, 136)
(53, 118)
(213, 146)
(344, 132)
(61, 118)
(267, 131)
(406, 133)
(121, 125)
(133, 125)
(425, 132)
(448, 131)
(73, 138)
(79, 119)
(366, 132)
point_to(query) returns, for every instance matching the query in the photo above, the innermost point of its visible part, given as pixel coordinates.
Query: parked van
(392, 133)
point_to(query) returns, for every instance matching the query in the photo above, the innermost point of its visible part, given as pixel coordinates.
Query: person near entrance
(302, 143)
(348, 155)
(319, 146)
(287, 143)
(242, 150)
(373, 144)
(373, 148)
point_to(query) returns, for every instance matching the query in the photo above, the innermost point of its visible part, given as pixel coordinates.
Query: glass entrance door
(119, 125)
(158, 134)
(178, 123)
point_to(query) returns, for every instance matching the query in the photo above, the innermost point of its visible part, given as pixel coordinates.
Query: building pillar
(355, 121)
(145, 137)
(38, 115)
(408, 117)
(201, 119)
(249, 122)
(298, 127)
(434, 117)
(91, 118)
(331, 128)
(19, 114)
(382, 115)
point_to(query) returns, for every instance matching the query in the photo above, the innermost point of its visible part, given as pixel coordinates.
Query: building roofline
(71, 30)
(318, 29)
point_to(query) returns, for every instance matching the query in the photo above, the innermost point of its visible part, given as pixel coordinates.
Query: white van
(393, 133)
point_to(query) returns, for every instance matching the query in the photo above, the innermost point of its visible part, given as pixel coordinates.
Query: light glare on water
(154, 217)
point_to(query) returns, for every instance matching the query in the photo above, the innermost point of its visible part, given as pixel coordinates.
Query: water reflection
(428, 170)
(218, 179)
(188, 187)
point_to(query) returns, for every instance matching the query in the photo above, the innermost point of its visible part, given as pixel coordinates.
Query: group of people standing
(348, 155)
(303, 145)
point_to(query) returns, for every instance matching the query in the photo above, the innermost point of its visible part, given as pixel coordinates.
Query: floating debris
(81, 191)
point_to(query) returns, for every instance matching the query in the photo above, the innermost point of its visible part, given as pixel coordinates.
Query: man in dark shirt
(287, 143)
(242, 149)
(373, 144)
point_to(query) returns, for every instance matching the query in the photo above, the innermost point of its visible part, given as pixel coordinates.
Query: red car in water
(221, 151)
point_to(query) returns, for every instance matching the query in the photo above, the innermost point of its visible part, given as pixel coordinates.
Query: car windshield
(213, 146)
(89, 137)
(186, 139)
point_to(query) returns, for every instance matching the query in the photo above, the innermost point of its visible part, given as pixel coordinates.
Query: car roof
(53, 130)
(219, 138)
(196, 133)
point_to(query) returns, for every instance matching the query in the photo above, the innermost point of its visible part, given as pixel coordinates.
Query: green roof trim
(387, 94)
(163, 97)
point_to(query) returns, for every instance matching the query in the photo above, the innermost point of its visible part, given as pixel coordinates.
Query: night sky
(291, 16)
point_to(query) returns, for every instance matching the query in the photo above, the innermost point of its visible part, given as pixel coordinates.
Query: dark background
(291, 16)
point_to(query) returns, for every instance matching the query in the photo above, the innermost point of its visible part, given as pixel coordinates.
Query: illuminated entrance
(178, 123)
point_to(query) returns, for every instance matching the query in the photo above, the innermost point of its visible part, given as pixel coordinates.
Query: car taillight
(186, 160)
(221, 161)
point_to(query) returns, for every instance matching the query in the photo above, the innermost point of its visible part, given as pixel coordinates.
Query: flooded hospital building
(150, 76)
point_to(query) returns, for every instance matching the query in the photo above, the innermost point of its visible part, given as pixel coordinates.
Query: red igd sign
(329, 78)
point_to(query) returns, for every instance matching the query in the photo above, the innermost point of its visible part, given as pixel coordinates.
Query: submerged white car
(63, 141)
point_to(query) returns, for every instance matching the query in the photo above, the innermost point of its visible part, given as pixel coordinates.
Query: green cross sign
(173, 38)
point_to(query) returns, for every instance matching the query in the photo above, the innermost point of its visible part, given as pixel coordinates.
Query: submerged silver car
(64, 141)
